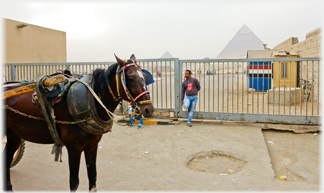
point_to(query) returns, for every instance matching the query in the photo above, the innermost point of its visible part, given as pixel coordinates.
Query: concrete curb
(280, 127)
(154, 122)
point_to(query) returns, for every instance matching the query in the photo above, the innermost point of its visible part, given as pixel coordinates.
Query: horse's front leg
(12, 144)
(91, 158)
(74, 165)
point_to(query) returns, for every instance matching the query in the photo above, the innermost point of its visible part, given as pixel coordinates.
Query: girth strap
(48, 112)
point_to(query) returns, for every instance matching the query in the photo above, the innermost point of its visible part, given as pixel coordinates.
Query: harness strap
(48, 113)
(103, 106)
(118, 82)
(143, 93)
(19, 91)
(120, 77)
(128, 94)
(124, 67)
(111, 92)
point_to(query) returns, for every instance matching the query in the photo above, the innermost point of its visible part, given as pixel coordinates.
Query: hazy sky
(187, 29)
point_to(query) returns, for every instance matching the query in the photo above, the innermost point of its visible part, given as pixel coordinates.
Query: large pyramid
(243, 41)
(167, 55)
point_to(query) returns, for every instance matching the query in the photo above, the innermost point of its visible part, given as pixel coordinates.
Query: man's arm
(198, 85)
(183, 92)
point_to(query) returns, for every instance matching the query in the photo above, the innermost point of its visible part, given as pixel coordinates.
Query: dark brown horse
(74, 138)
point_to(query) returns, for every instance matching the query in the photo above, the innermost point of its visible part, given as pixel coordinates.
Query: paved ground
(205, 157)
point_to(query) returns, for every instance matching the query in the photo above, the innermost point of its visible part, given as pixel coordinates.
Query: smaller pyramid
(166, 55)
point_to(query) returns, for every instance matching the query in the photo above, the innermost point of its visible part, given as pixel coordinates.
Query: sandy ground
(205, 157)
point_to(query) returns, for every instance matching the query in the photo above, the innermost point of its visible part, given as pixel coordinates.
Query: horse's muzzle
(147, 110)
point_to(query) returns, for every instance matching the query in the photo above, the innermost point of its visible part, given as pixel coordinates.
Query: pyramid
(166, 55)
(243, 41)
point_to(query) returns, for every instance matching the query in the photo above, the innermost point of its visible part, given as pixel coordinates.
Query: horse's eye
(131, 80)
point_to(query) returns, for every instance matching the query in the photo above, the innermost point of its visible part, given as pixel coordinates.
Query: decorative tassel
(57, 150)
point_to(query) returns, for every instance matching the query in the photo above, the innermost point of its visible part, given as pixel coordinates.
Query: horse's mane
(100, 80)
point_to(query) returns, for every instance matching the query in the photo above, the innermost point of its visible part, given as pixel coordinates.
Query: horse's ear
(133, 58)
(120, 61)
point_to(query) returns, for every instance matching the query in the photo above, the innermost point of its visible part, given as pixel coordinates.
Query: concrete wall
(33, 44)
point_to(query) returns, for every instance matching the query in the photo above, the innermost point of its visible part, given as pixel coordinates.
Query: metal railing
(258, 90)
(161, 69)
(277, 90)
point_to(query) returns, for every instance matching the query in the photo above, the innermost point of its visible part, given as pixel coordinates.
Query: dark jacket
(190, 87)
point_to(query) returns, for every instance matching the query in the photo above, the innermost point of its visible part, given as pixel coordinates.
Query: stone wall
(313, 33)
(310, 47)
(286, 45)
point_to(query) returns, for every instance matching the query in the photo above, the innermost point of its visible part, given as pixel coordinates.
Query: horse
(74, 138)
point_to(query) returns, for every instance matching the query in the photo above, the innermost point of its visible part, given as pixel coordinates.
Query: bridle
(121, 82)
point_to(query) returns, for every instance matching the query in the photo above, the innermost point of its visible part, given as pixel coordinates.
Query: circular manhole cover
(217, 163)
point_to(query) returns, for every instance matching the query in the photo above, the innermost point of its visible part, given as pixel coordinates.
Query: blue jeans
(140, 120)
(190, 102)
(137, 118)
(131, 118)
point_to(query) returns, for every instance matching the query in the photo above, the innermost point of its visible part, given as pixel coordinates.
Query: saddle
(81, 106)
(55, 96)
(57, 92)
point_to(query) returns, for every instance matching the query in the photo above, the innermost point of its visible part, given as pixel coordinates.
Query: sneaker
(189, 124)
(131, 124)
(140, 126)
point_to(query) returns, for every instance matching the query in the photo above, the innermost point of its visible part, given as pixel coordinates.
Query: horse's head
(135, 85)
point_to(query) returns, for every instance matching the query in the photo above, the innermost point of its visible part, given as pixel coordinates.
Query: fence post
(177, 87)
(13, 72)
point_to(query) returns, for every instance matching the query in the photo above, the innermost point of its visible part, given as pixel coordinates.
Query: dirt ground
(205, 157)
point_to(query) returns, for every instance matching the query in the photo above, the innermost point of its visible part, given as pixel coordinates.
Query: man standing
(190, 87)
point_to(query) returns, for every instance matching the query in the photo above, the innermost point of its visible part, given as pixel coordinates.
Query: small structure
(285, 80)
(259, 73)
(284, 73)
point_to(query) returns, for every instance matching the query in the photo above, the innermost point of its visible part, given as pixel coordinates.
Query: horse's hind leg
(91, 157)
(13, 142)
(74, 165)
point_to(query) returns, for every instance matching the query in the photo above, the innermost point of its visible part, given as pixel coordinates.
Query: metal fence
(276, 90)
(258, 90)
(161, 69)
